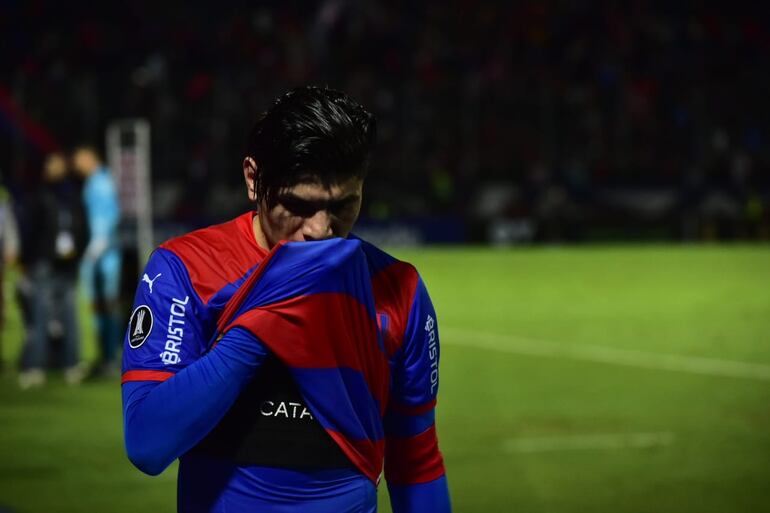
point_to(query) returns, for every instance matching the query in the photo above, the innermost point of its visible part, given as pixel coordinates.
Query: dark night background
(498, 121)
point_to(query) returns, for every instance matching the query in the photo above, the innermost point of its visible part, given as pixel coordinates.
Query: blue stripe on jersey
(376, 259)
(223, 295)
(415, 380)
(403, 425)
(306, 268)
(328, 387)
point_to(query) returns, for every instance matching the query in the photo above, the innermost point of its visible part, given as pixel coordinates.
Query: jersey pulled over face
(311, 210)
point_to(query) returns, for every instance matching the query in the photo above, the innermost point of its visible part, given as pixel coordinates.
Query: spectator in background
(102, 259)
(9, 243)
(57, 221)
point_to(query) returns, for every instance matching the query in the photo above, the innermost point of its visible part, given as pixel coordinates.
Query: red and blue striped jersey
(354, 326)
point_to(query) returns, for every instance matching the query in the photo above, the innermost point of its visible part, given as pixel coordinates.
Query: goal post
(128, 157)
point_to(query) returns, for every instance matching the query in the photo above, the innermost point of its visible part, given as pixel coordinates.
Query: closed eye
(307, 208)
(300, 207)
(341, 207)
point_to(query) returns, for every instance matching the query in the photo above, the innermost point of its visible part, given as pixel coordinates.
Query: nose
(318, 226)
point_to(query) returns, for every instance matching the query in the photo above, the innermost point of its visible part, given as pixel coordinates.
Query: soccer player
(279, 357)
(101, 263)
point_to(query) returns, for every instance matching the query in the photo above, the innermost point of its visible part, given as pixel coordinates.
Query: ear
(249, 174)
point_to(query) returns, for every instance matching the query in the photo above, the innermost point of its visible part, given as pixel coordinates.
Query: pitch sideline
(513, 344)
(597, 441)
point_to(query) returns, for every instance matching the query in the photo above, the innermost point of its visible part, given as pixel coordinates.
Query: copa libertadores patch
(140, 326)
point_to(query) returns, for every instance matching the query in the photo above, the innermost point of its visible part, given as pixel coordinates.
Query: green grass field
(573, 379)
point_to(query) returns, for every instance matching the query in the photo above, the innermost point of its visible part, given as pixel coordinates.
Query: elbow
(145, 458)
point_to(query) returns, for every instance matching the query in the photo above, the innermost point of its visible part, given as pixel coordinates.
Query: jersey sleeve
(163, 420)
(168, 326)
(414, 467)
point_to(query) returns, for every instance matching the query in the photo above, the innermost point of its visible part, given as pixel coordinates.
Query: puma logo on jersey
(146, 279)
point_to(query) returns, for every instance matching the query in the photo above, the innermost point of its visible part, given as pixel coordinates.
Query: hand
(96, 249)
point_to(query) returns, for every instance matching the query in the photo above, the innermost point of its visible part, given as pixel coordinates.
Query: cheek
(282, 224)
(344, 224)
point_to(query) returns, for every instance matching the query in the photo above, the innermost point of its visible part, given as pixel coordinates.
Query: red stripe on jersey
(244, 290)
(366, 455)
(394, 288)
(413, 410)
(145, 375)
(413, 460)
(342, 335)
(218, 255)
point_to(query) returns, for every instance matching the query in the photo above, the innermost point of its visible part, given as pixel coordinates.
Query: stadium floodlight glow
(128, 156)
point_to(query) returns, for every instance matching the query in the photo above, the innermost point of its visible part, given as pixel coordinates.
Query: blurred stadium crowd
(552, 120)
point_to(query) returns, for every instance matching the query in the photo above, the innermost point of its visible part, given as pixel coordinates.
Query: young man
(277, 356)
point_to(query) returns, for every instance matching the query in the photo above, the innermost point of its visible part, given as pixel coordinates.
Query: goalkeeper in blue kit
(280, 358)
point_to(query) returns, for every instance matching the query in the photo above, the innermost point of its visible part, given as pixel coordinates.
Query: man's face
(55, 168)
(311, 211)
(84, 162)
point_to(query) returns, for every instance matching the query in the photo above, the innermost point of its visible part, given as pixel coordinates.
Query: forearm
(164, 420)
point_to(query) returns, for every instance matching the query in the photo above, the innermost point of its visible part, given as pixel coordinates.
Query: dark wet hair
(310, 133)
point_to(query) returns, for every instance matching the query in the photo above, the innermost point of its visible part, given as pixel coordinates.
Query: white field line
(588, 442)
(513, 344)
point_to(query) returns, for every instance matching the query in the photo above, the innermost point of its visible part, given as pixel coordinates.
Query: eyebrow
(317, 205)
